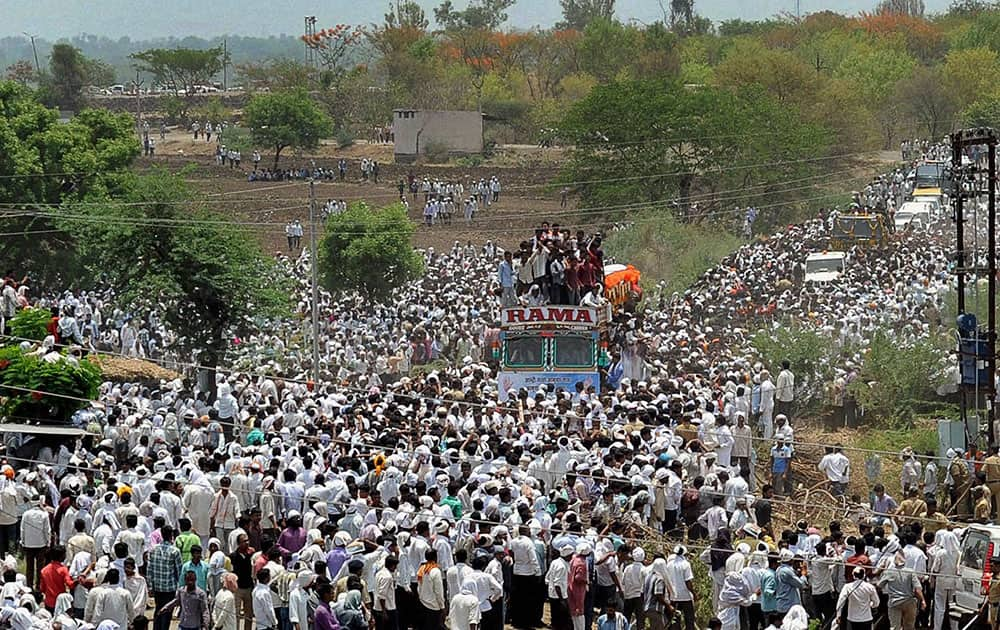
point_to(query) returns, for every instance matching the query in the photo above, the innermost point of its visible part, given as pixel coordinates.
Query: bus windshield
(524, 351)
(574, 352)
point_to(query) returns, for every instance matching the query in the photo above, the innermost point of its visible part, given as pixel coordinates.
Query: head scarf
(230, 582)
(796, 619)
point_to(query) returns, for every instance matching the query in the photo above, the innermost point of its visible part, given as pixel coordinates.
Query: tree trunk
(277, 154)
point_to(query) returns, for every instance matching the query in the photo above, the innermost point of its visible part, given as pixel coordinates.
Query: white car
(980, 546)
(824, 267)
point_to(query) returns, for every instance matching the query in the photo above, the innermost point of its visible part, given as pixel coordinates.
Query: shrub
(435, 152)
(31, 323)
(344, 139)
(28, 376)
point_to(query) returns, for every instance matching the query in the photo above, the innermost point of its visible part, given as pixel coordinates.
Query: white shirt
(464, 612)
(678, 574)
(836, 466)
(522, 549)
(430, 590)
(861, 598)
(36, 530)
(557, 579)
(632, 580)
(456, 575)
(263, 607)
(298, 608)
(385, 590)
(785, 387)
(114, 603)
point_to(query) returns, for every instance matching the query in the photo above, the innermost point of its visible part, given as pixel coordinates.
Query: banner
(509, 382)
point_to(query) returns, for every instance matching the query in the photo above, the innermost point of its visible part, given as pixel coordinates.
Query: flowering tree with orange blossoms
(923, 39)
(332, 46)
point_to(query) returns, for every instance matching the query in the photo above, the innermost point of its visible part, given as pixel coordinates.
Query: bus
(552, 345)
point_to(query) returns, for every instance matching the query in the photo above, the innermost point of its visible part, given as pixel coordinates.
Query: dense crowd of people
(397, 491)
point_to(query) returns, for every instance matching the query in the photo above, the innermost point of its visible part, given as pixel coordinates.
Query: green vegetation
(697, 131)
(286, 119)
(30, 323)
(208, 272)
(896, 379)
(180, 69)
(809, 352)
(23, 376)
(368, 250)
(91, 153)
(669, 251)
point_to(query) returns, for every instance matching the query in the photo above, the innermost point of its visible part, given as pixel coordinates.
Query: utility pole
(314, 265)
(34, 51)
(225, 63)
(798, 10)
(977, 343)
(138, 104)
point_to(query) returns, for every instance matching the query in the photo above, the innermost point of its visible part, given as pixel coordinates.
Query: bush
(31, 323)
(21, 372)
(436, 152)
(238, 138)
(344, 139)
(897, 380)
(174, 109)
(664, 249)
(810, 354)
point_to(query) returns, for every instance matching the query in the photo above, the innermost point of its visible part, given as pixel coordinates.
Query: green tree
(286, 119)
(904, 7)
(896, 380)
(926, 99)
(68, 75)
(654, 140)
(985, 112)
(98, 72)
(577, 14)
(406, 14)
(970, 73)
(486, 15)
(204, 275)
(781, 73)
(180, 69)
(369, 251)
(43, 164)
(606, 47)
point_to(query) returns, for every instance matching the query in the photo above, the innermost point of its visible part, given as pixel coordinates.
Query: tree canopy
(180, 69)
(577, 14)
(286, 119)
(368, 250)
(44, 164)
(478, 15)
(203, 275)
(655, 140)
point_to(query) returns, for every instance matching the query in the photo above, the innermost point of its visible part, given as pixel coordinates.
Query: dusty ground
(527, 197)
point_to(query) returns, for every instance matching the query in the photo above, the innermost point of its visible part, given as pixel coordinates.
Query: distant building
(457, 132)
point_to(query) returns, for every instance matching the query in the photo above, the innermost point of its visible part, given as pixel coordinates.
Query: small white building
(459, 132)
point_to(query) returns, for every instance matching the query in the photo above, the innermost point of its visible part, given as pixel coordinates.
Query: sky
(146, 19)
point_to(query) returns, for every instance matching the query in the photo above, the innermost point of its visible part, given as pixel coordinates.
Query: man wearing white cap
(558, 589)
(633, 576)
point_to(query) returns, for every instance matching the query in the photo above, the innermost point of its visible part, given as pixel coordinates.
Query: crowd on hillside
(398, 491)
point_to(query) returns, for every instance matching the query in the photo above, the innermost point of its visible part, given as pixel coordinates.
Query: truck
(823, 267)
(980, 545)
(863, 230)
(553, 345)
